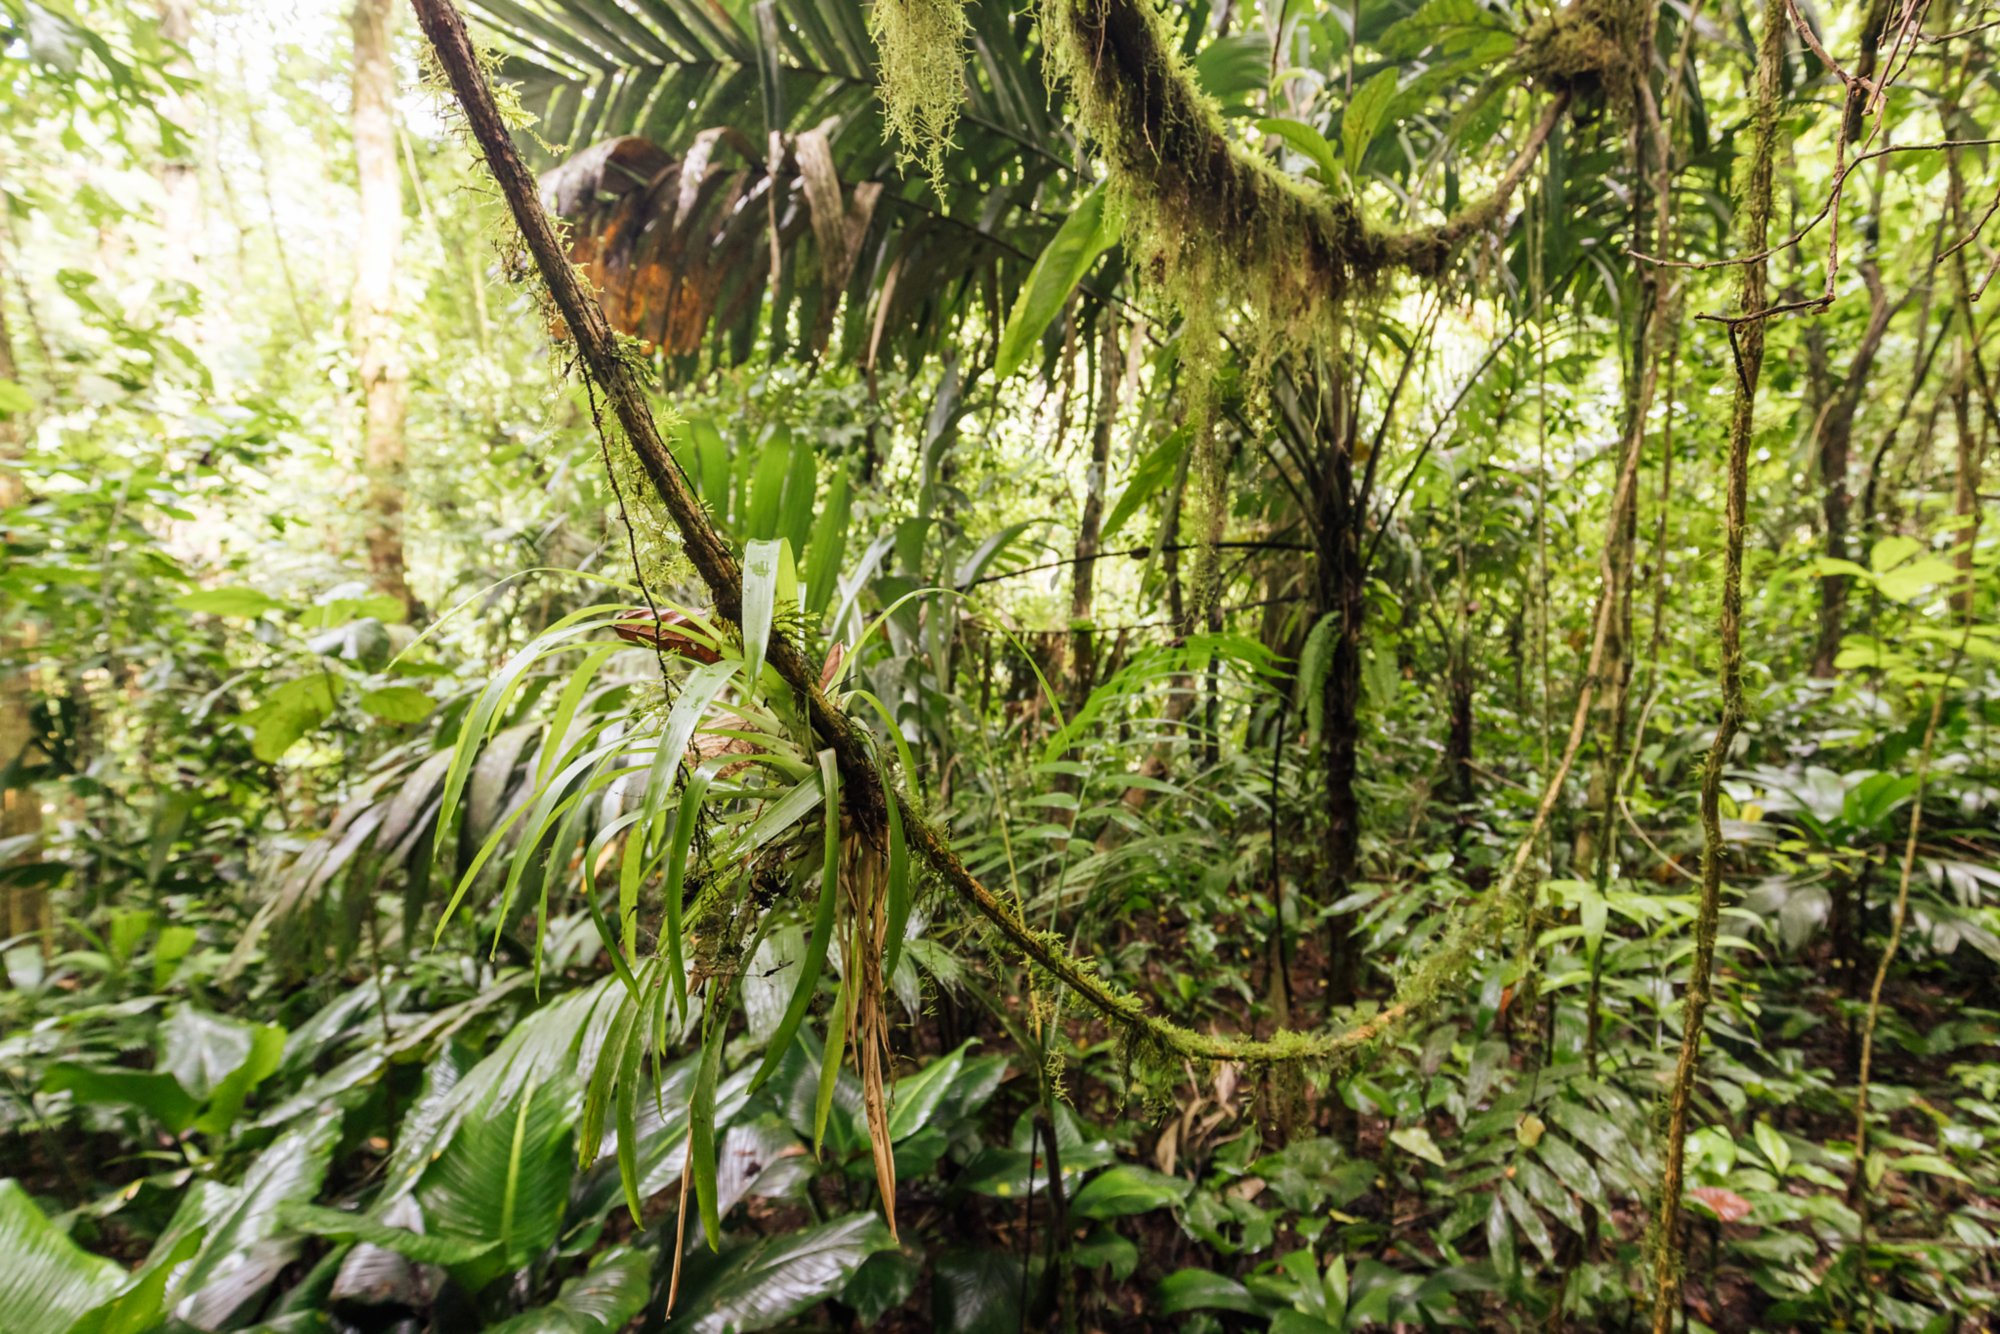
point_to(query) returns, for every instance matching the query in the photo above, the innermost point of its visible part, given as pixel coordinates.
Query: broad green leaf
(1365, 115)
(138, 1306)
(1928, 1163)
(48, 1281)
(202, 1050)
(1154, 471)
(1307, 142)
(1230, 69)
(339, 1224)
(1085, 234)
(601, 1300)
(267, 1049)
(289, 1170)
(154, 1092)
(917, 1097)
(775, 1279)
(1890, 552)
(884, 1282)
(976, 1290)
(1417, 1142)
(1772, 1145)
(288, 713)
(503, 1175)
(397, 704)
(228, 602)
(1123, 1189)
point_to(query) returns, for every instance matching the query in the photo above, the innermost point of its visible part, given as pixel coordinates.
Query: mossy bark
(1747, 348)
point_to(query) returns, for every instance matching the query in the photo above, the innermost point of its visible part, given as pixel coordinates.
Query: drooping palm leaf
(698, 143)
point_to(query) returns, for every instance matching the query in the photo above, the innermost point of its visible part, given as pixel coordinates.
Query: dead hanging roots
(922, 43)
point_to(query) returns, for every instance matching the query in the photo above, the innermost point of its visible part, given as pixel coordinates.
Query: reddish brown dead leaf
(1726, 1205)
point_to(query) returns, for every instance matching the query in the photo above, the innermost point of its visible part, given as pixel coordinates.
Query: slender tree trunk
(376, 346)
(1082, 643)
(1835, 430)
(23, 907)
(1747, 354)
(1649, 153)
(180, 182)
(1341, 592)
(1965, 495)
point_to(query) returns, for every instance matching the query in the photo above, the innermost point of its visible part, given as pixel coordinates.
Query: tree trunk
(180, 214)
(1651, 156)
(1341, 592)
(1082, 645)
(23, 907)
(376, 347)
(1835, 430)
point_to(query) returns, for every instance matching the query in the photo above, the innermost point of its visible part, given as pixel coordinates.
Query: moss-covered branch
(1209, 217)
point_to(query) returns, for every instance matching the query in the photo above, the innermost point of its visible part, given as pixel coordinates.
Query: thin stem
(1747, 347)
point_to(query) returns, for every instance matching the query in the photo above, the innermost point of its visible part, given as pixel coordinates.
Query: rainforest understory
(672, 666)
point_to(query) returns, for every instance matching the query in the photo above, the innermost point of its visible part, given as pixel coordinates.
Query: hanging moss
(1208, 225)
(922, 43)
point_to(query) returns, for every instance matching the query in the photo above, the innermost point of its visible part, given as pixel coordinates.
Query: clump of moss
(922, 44)
(1582, 48)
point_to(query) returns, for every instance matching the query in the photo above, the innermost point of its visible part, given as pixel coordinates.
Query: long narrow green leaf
(1084, 236)
(761, 561)
(834, 1052)
(767, 490)
(551, 807)
(567, 705)
(801, 490)
(896, 916)
(701, 1129)
(498, 834)
(704, 683)
(485, 712)
(604, 934)
(631, 868)
(827, 546)
(685, 821)
(895, 732)
(598, 1093)
(626, 1111)
(822, 931)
